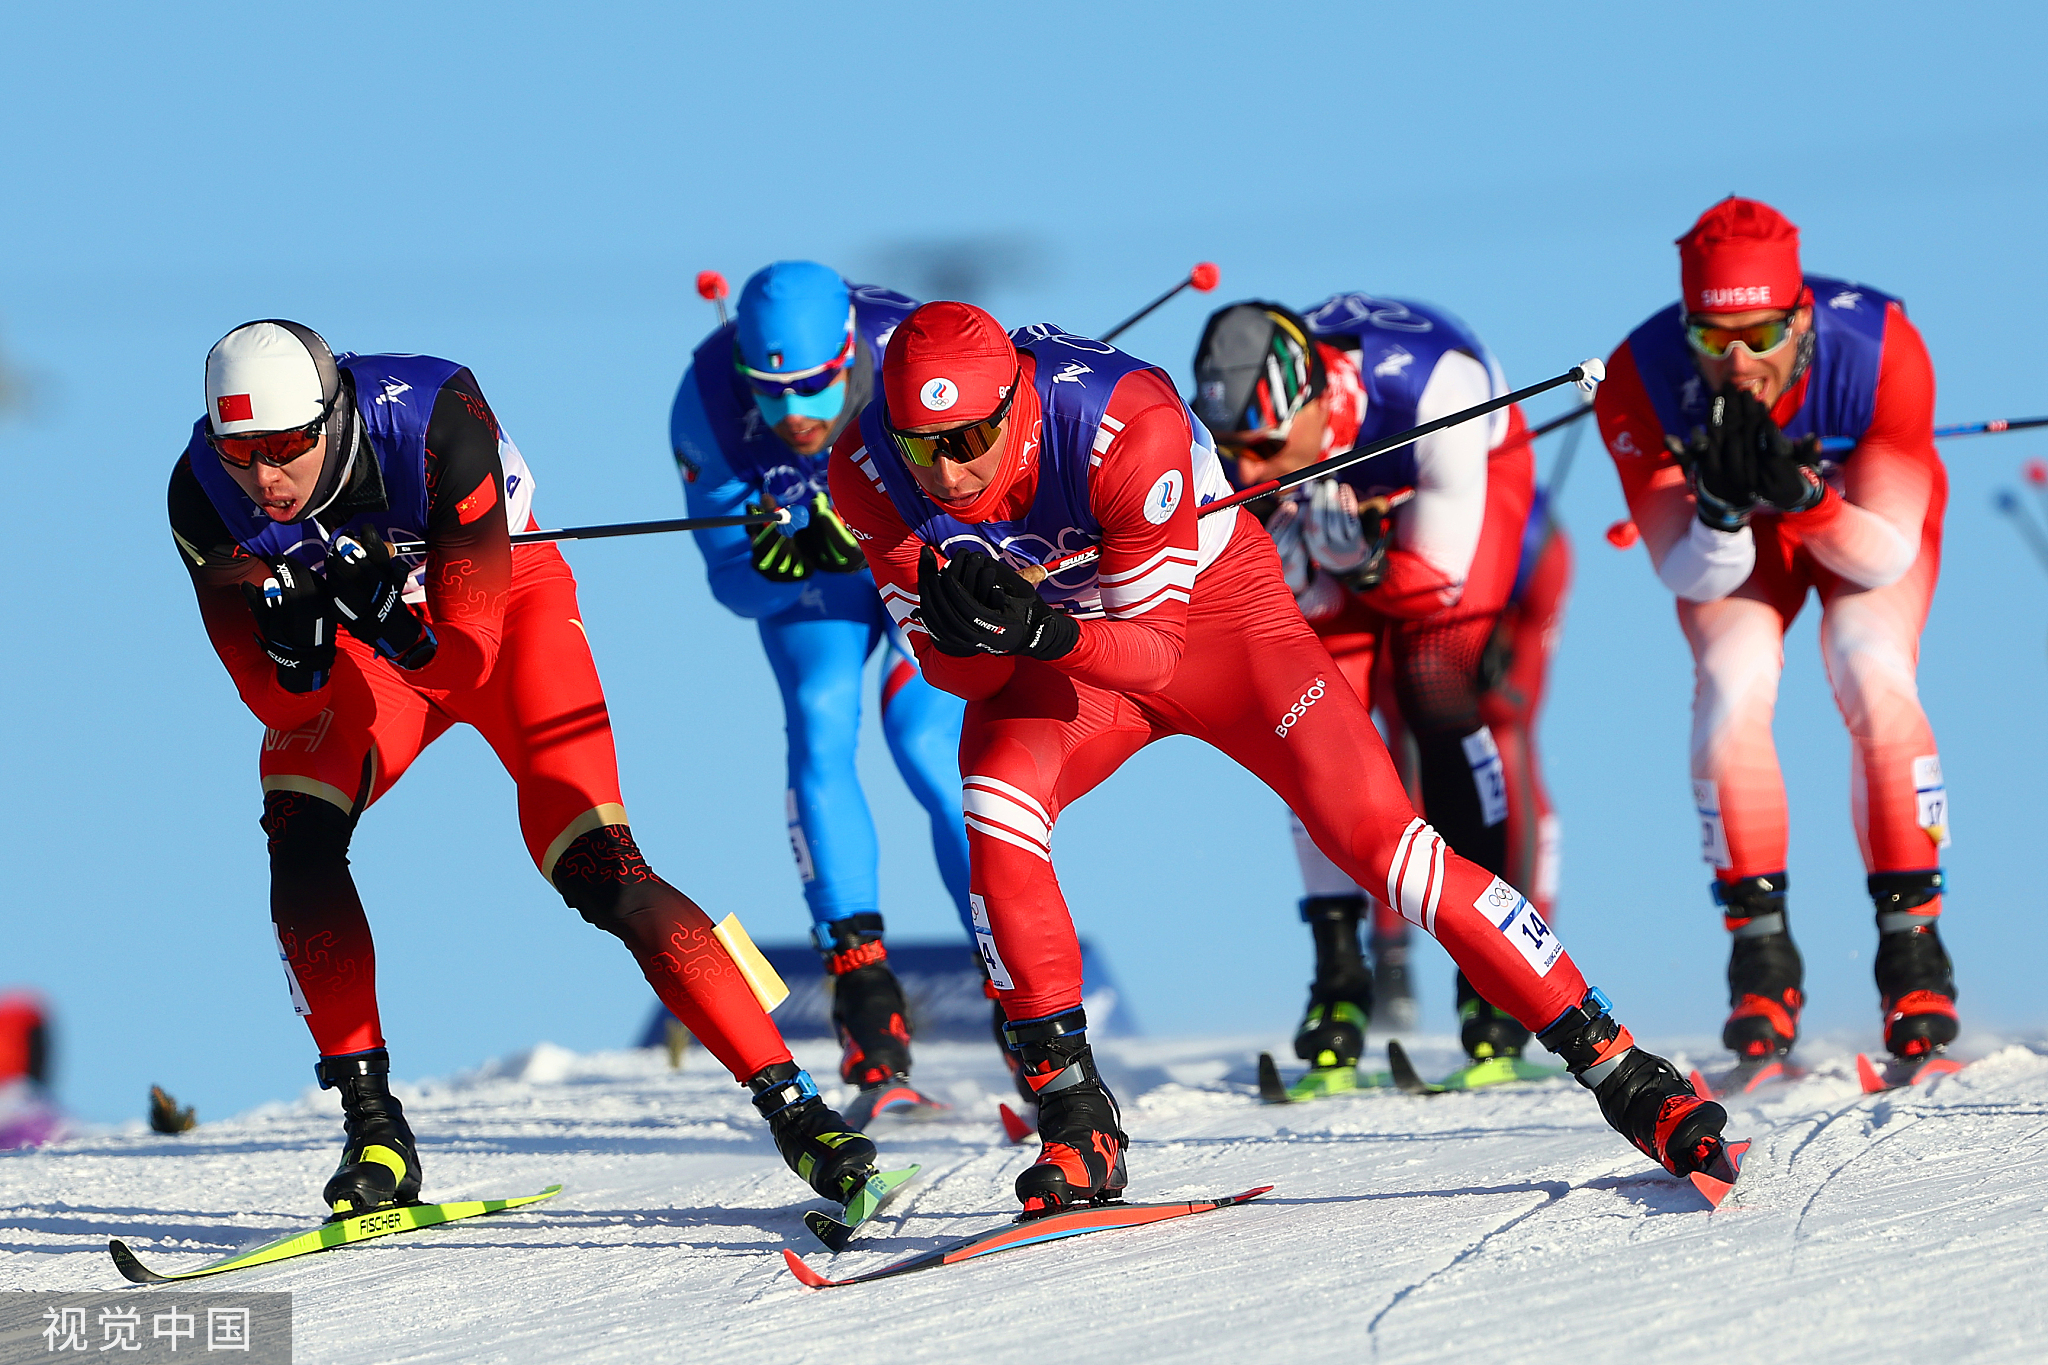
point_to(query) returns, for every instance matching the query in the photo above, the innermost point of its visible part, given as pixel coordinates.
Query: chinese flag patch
(234, 407)
(477, 503)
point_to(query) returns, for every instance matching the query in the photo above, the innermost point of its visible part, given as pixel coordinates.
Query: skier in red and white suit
(1410, 599)
(1714, 411)
(1002, 453)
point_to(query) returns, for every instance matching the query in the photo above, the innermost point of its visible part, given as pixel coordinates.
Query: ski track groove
(1553, 1191)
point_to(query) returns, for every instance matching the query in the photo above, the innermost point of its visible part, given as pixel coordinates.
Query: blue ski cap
(795, 318)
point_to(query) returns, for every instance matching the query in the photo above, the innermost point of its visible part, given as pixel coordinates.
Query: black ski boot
(379, 1164)
(1641, 1095)
(1393, 993)
(815, 1142)
(1916, 983)
(1765, 974)
(1487, 1032)
(1332, 1032)
(867, 1002)
(1082, 1159)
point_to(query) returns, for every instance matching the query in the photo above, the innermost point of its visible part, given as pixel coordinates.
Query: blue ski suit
(819, 634)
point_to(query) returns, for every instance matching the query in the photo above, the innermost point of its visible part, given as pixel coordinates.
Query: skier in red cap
(1713, 411)
(989, 453)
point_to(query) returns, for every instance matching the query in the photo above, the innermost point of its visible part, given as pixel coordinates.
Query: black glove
(1782, 474)
(1372, 522)
(294, 624)
(826, 542)
(368, 587)
(978, 605)
(777, 557)
(1718, 465)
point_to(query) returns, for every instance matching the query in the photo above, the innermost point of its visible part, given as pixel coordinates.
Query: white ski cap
(268, 376)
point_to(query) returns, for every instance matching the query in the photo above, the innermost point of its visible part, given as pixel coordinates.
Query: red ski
(1746, 1078)
(1899, 1072)
(1719, 1178)
(1015, 1126)
(1052, 1227)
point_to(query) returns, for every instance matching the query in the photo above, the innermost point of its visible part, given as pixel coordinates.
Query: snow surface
(1508, 1225)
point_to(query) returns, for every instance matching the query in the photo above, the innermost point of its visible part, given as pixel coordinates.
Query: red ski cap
(1741, 254)
(947, 362)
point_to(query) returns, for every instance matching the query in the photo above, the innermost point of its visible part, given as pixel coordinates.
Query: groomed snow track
(1501, 1226)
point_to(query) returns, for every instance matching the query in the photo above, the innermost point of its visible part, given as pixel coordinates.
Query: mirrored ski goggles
(1263, 446)
(1759, 338)
(960, 444)
(274, 448)
(806, 383)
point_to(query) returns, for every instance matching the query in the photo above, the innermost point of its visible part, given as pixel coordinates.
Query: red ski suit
(1221, 654)
(1872, 550)
(513, 662)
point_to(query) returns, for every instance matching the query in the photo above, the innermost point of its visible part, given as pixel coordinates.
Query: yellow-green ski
(361, 1228)
(867, 1201)
(1317, 1083)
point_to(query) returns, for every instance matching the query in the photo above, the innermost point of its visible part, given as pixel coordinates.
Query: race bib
(1930, 796)
(1487, 775)
(1519, 923)
(1706, 798)
(985, 944)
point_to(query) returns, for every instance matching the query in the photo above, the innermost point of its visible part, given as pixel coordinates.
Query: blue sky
(531, 191)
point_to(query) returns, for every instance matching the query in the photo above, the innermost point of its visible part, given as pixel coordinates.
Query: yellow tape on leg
(767, 986)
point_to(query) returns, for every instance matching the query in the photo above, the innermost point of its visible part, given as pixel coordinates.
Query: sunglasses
(274, 448)
(805, 383)
(1263, 447)
(960, 444)
(1760, 338)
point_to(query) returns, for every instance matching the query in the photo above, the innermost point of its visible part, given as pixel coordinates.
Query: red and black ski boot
(1916, 983)
(1641, 1095)
(1766, 977)
(868, 1011)
(380, 1165)
(1082, 1158)
(1340, 999)
(1487, 1032)
(815, 1142)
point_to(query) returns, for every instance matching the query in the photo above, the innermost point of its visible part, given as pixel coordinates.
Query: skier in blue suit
(752, 427)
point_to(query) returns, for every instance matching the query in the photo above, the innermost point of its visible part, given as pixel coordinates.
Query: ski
(361, 1228)
(895, 1100)
(835, 1233)
(1720, 1175)
(1899, 1072)
(1051, 1227)
(1478, 1075)
(1015, 1126)
(1317, 1083)
(1746, 1078)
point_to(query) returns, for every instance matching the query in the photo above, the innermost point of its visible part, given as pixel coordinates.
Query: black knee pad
(308, 837)
(604, 878)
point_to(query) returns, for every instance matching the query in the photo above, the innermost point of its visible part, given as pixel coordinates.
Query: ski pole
(1555, 423)
(712, 288)
(2036, 473)
(778, 517)
(1202, 278)
(1586, 374)
(1563, 467)
(2007, 502)
(1990, 428)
